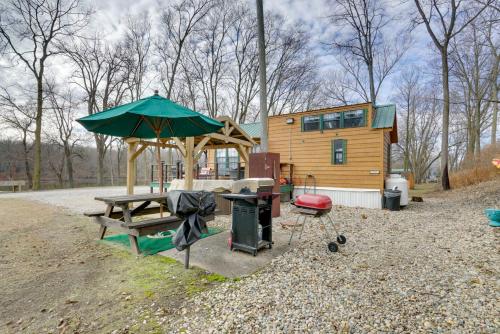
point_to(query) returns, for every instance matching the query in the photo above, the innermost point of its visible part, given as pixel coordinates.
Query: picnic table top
(125, 199)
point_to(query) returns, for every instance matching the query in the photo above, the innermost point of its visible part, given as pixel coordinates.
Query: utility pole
(262, 77)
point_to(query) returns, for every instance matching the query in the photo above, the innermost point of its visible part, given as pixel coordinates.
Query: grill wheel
(341, 239)
(332, 247)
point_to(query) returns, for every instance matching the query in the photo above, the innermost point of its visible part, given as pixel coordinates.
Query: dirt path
(56, 277)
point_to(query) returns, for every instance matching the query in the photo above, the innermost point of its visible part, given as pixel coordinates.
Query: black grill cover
(192, 206)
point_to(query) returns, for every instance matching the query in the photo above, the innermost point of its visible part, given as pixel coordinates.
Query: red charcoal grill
(313, 205)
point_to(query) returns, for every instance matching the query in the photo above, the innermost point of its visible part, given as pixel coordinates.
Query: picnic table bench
(118, 214)
(13, 184)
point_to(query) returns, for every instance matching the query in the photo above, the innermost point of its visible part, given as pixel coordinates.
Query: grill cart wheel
(341, 239)
(332, 247)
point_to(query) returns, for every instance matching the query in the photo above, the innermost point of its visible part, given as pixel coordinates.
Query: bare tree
(244, 70)
(443, 21)
(209, 57)
(64, 106)
(291, 69)
(56, 161)
(120, 150)
(362, 41)
(30, 29)
(137, 46)
(177, 24)
(99, 72)
(20, 116)
(472, 67)
(417, 123)
(341, 88)
(493, 44)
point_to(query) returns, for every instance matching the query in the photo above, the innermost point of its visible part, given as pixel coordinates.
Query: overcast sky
(311, 15)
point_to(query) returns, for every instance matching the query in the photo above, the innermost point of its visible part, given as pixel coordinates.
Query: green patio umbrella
(150, 117)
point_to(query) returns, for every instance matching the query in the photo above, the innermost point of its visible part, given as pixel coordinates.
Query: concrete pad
(213, 254)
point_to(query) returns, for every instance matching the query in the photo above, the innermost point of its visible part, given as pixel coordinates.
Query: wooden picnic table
(119, 214)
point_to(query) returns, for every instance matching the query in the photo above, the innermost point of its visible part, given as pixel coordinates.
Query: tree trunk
(69, 165)
(27, 162)
(445, 181)
(60, 180)
(100, 159)
(407, 139)
(38, 133)
(372, 84)
(118, 162)
(494, 97)
(111, 166)
(477, 145)
(471, 141)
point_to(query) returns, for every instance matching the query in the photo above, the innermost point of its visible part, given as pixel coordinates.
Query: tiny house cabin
(346, 149)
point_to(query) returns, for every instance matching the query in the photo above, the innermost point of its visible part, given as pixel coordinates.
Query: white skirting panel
(364, 198)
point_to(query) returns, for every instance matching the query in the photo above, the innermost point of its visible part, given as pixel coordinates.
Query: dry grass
(423, 189)
(477, 171)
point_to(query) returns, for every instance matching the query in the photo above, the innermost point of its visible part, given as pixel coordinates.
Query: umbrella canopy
(151, 117)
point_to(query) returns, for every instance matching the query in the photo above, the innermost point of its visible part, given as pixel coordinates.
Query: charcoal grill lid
(313, 201)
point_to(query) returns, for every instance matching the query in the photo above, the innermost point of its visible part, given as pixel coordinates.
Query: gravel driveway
(77, 200)
(433, 267)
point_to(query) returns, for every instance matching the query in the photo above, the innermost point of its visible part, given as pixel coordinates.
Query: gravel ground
(77, 200)
(433, 267)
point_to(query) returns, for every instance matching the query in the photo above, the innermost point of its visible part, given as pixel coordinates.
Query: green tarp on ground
(151, 246)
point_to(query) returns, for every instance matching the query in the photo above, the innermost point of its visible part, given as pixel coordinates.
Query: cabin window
(339, 151)
(354, 119)
(332, 121)
(227, 160)
(335, 120)
(310, 123)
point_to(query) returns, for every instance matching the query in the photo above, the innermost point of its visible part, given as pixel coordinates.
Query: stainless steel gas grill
(251, 227)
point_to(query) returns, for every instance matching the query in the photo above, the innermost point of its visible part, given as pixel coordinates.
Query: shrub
(477, 170)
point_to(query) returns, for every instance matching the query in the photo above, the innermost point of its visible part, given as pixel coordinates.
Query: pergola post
(189, 158)
(131, 172)
(247, 165)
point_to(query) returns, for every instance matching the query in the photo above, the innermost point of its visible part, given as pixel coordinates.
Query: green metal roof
(384, 116)
(254, 130)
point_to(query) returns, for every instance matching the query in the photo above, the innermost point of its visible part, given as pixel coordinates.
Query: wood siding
(387, 152)
(311, 151)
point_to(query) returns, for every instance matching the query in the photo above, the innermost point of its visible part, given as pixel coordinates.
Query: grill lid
(319, 202)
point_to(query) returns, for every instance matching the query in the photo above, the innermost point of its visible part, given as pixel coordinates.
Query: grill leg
(326, 228)
(333, 224)
(293, 229)
(303, 224)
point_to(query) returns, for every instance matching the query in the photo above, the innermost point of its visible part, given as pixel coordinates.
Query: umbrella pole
(160, 171)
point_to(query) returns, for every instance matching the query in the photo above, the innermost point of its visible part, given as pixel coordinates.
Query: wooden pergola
(191, 148)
